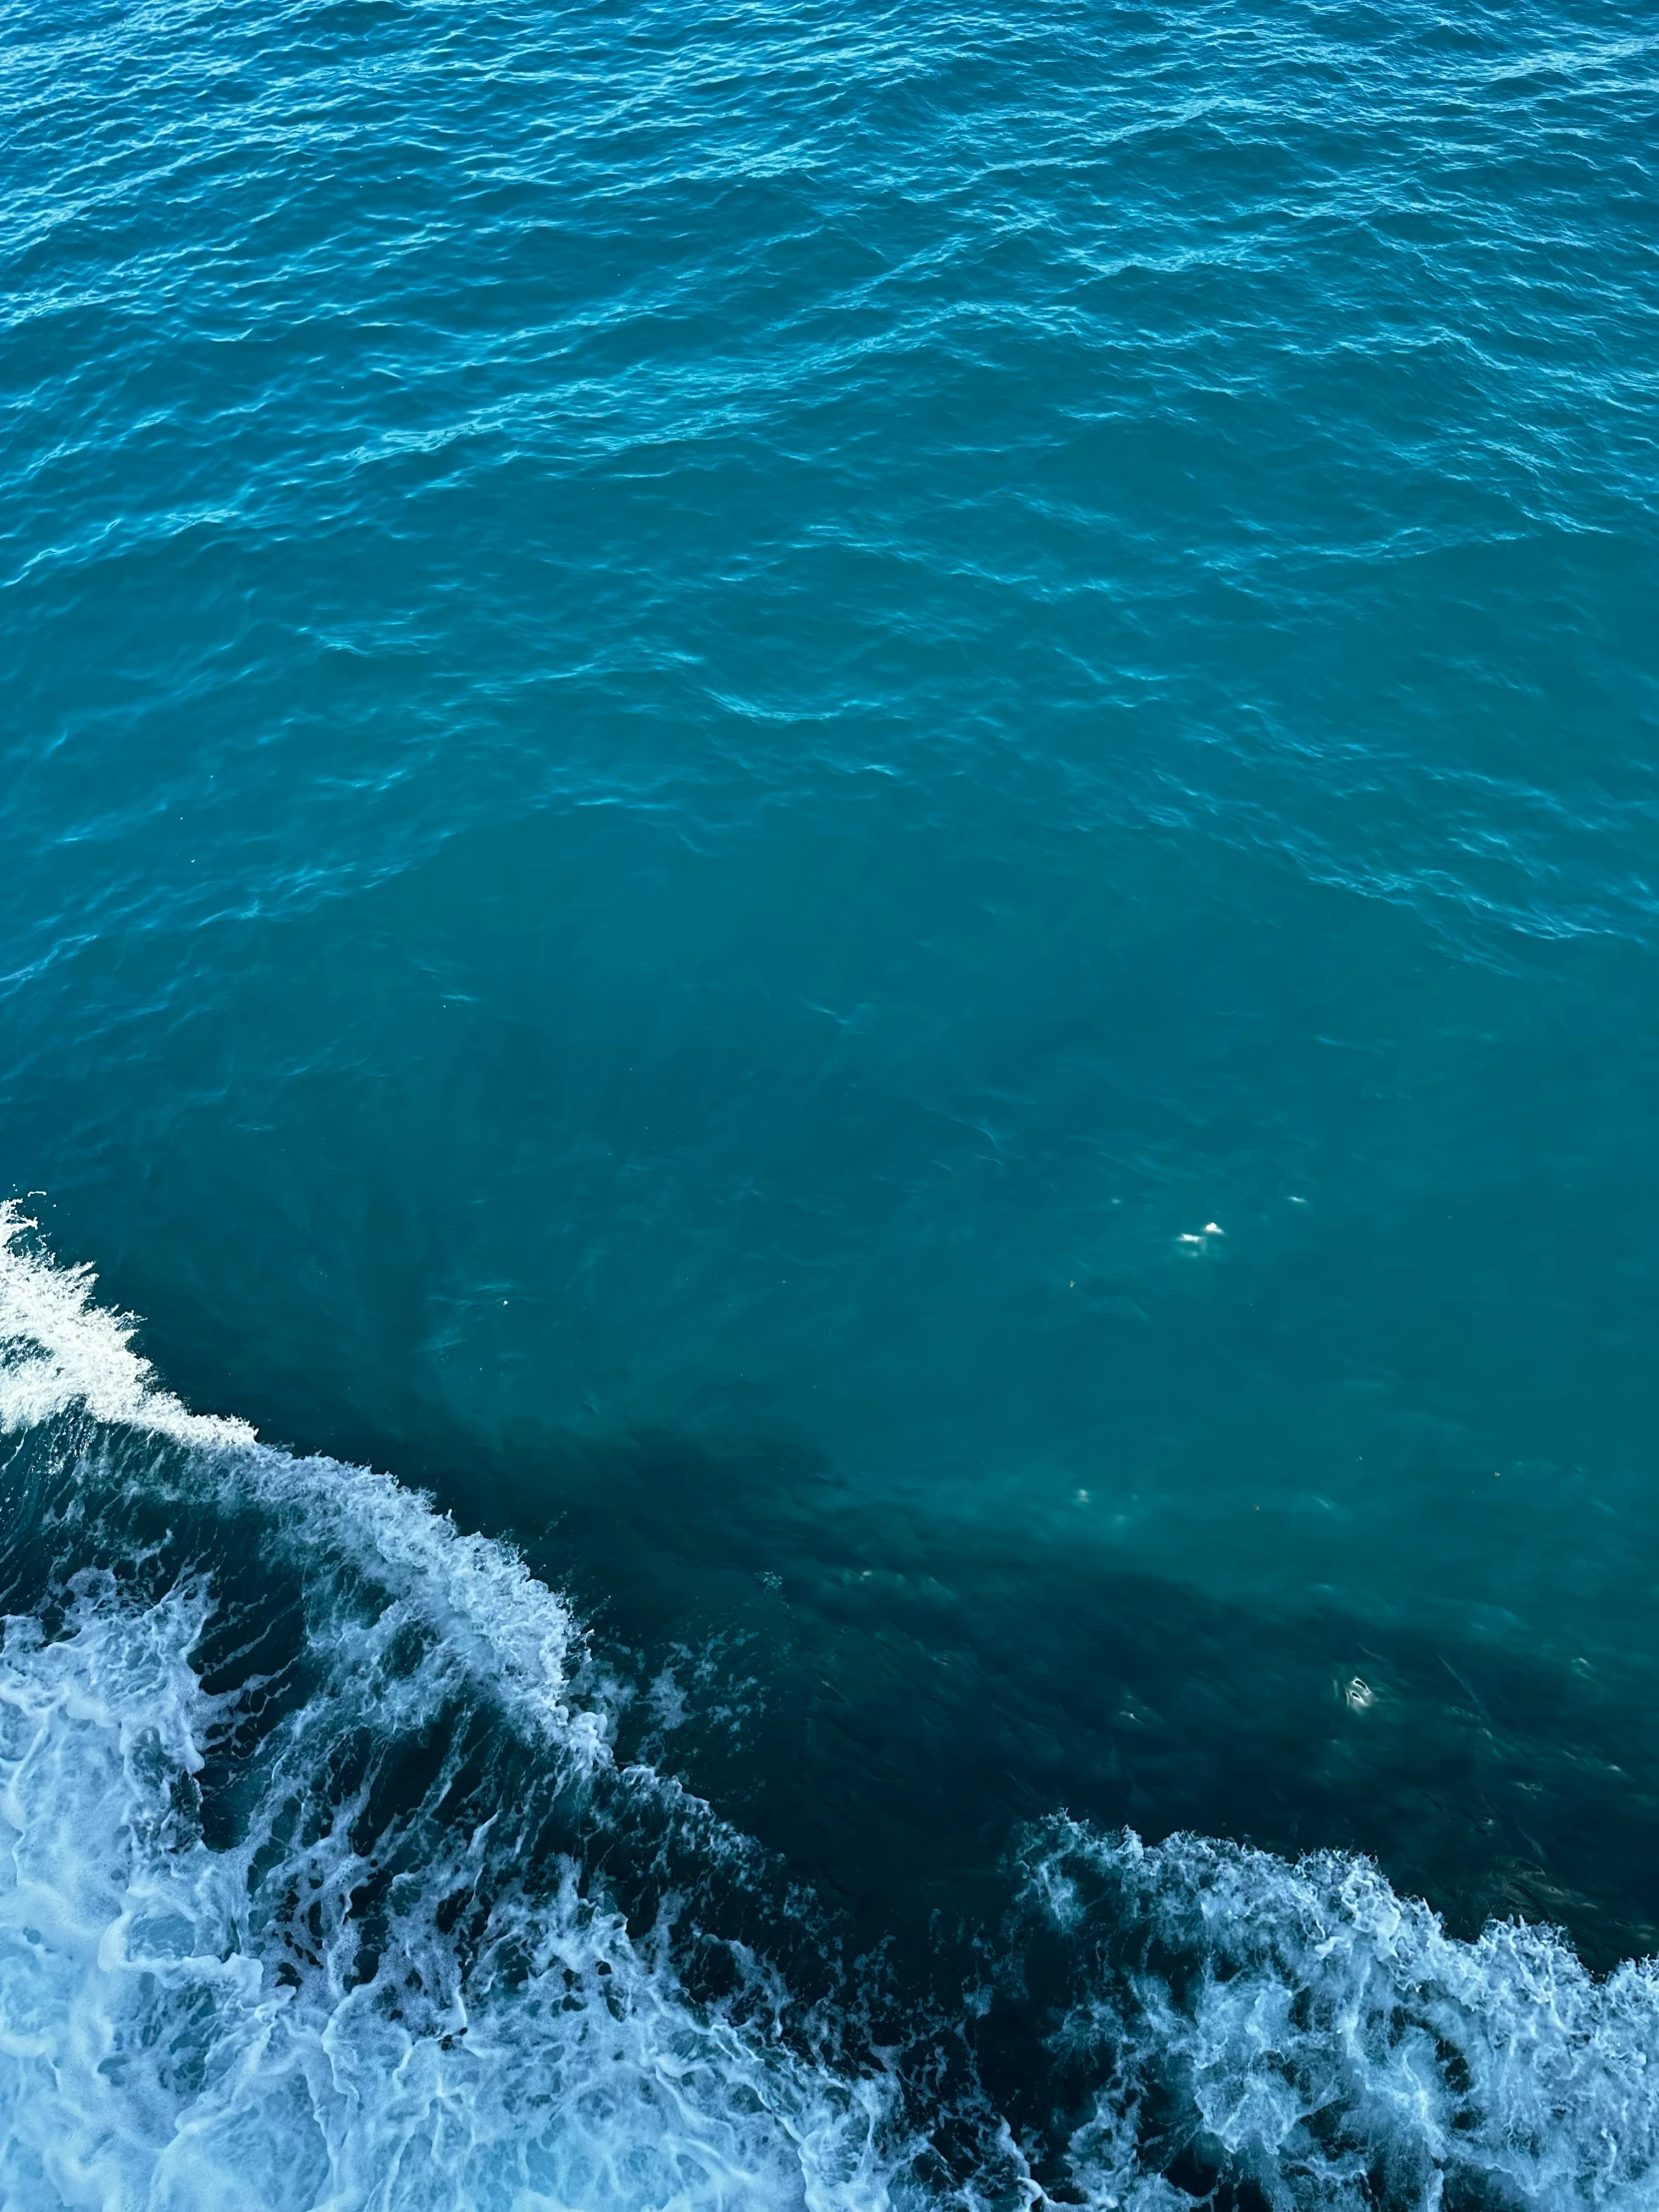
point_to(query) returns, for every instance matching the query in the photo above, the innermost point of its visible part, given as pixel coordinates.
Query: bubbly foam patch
(59, 1347)
(185, 2028)
(1306, 2032)
(378, 1993)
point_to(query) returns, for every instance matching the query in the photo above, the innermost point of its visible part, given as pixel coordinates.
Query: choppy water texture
(855, 819)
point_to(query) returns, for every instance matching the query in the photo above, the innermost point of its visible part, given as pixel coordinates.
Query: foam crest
(185, 2026)
(331, 1933)
(1305, 2032)
(59, 1347)
(61, 1350)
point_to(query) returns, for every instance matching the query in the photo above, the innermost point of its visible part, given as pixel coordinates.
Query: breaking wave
(322, 1885)
(1237, 2030)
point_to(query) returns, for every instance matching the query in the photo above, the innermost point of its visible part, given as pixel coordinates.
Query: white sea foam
(59, 1347)
(159, 2047)
(194, 2029)
(1306, 2029)
(60, 1350)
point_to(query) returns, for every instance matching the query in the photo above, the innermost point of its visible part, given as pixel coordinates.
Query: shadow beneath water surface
(883, 1697)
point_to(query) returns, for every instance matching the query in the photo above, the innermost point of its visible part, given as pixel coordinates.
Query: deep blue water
(854, 820)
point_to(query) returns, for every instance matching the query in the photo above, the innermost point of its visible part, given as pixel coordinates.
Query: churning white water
(296, 1912)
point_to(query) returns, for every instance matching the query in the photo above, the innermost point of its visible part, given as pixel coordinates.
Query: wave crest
(303, 1831)
(1233, 2023)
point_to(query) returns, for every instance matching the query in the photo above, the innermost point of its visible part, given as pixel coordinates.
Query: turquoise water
(853, 821)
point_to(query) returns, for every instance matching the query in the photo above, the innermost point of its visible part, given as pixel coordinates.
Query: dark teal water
(855, 816)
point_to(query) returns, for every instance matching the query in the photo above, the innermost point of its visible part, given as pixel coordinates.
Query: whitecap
(1304, 2032)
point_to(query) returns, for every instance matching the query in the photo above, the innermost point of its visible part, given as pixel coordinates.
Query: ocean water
(828, 1106)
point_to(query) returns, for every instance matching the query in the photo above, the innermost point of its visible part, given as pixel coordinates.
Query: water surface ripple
(852, 816)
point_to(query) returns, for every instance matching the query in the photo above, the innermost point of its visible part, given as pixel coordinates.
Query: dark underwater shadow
(885, 1698)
